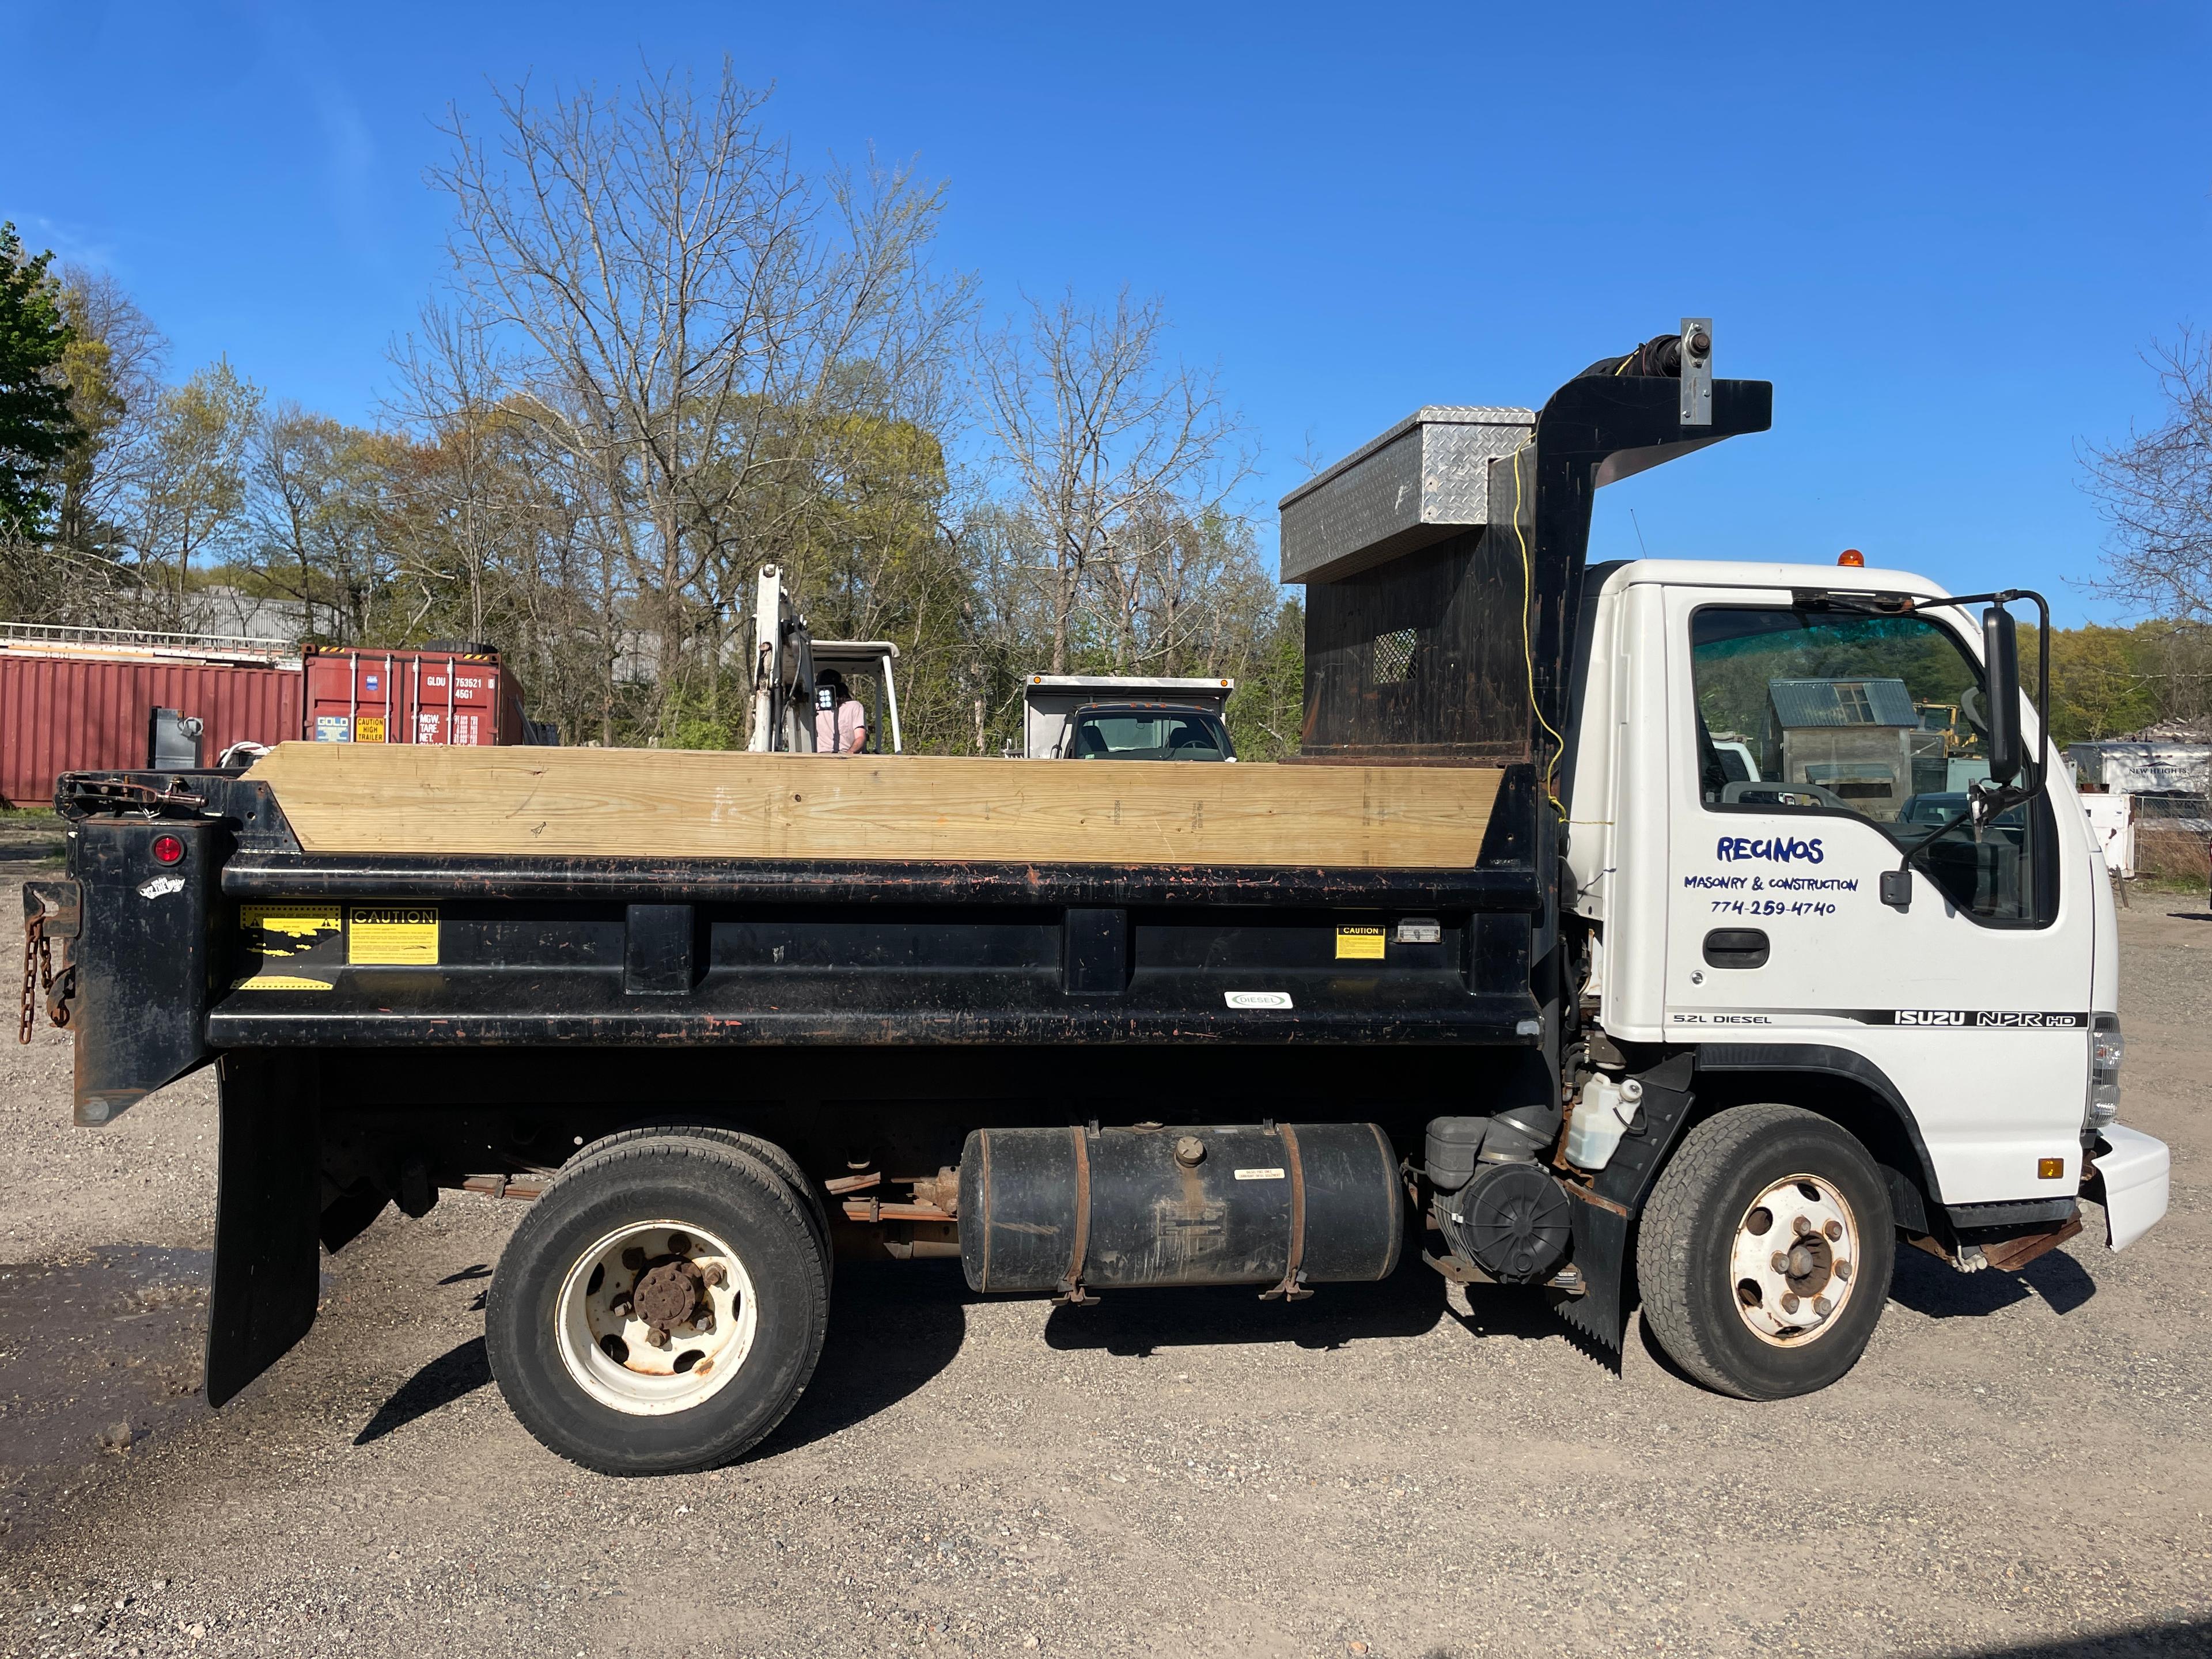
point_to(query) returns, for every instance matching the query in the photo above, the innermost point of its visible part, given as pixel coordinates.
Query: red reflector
(167, 849)
(1853, 557)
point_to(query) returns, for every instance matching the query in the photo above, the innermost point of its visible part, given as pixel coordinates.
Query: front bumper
(2128, 1177)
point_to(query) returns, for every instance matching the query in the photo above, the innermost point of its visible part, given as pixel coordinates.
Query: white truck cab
(1746, 916)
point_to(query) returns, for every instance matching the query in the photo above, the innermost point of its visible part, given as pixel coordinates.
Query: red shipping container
(78, 713)
(414, 695)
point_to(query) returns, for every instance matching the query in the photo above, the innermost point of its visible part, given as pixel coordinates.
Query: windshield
(1128, 734)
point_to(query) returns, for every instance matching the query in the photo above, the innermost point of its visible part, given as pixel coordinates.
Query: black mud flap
(1603, 1215)
(148, 958)
(268, 1248)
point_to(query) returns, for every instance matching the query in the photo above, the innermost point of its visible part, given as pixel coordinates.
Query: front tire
(660, 1308)
(1766, 1252)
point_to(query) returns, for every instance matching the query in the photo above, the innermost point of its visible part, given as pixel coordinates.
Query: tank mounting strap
(1293, 1288)
(1071, 1293)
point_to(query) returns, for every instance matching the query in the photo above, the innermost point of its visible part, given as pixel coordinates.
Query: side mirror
(2000, 668)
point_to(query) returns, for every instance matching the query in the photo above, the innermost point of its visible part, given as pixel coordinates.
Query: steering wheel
(1767, 792)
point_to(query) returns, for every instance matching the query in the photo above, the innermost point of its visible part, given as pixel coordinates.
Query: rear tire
(768, 1153)
(1766, 1252)
(661, 1307)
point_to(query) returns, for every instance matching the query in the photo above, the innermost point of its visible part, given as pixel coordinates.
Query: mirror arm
(2038, 769)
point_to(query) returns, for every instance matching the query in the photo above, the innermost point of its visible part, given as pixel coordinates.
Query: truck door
(1808, 747)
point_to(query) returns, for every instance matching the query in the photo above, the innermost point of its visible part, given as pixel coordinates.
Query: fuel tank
(1239, 1204)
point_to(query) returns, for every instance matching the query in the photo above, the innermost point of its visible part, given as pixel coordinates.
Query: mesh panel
(1393, 656)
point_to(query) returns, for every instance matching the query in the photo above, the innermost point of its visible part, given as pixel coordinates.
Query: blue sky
(1946, 233)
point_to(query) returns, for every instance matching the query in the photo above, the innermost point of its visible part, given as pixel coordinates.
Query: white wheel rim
(1795, 1261)
(609, 1347)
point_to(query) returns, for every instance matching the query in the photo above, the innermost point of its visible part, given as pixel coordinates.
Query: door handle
(1736, 947)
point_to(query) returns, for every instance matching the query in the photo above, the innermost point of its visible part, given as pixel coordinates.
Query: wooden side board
(364, 798)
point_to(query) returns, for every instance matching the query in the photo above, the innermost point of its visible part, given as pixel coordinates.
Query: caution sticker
(392, 935)
(276, 941)
(286, 929)
(1360, 944)
(368, 728)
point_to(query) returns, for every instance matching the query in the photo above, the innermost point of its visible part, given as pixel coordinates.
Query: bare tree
(690, 316)
(465, 499)
(319, 506)
(2155, 491)
(1106, 444)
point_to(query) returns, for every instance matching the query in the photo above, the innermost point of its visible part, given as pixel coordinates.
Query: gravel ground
(2020, 1464)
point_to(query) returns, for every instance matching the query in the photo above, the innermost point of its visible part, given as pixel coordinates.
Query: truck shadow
(2141, 1642)
(891, 1329)
(1940, 1292)
(453, 1374)
(1136, 1324)
(893, 1326)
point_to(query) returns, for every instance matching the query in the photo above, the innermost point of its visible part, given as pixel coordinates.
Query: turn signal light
(167, 849)
(1853, 557)
(2050, 1168)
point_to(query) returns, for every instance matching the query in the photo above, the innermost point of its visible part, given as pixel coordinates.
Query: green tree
(36, 428)
(1268, 708)
(195, 486)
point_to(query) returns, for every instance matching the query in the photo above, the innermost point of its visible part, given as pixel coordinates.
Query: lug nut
(656, 1338)
(634, 1259)
(1843, 1271)
(714, 1273)
(1834, 1231)
(620, 1304)
(704, 1324)
(1821, 1305)
(1780, 1263)
(1801, 1226)
(1789, 1304)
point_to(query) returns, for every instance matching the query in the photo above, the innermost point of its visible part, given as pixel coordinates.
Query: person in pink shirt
(841, 725)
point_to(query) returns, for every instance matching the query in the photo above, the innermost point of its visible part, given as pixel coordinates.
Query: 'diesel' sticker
(1258, 999)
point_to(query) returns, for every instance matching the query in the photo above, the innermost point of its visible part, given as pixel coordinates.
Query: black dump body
(256, 945)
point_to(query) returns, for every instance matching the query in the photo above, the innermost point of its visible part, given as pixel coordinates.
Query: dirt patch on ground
(100, 1354)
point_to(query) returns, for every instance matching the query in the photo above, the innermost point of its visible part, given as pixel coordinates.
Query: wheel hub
(668, 1294)
(1793, 1260)
(654, 1318)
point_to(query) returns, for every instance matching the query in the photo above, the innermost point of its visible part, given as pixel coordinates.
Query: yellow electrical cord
(1527, 645)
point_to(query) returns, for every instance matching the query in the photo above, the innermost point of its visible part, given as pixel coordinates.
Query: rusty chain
(37, 971)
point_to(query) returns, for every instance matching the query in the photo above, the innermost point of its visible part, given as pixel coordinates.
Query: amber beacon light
(1853, 557)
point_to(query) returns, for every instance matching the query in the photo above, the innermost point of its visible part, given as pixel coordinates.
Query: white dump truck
(1515, 974)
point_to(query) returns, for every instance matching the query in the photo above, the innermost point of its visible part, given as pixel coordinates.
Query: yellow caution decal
(1360, 945)
(392, 935)
(278, 930)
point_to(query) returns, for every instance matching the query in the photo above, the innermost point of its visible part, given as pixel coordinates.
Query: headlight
(2105, 1049)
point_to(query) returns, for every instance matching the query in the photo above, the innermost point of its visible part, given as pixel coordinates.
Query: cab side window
(1879, 717)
